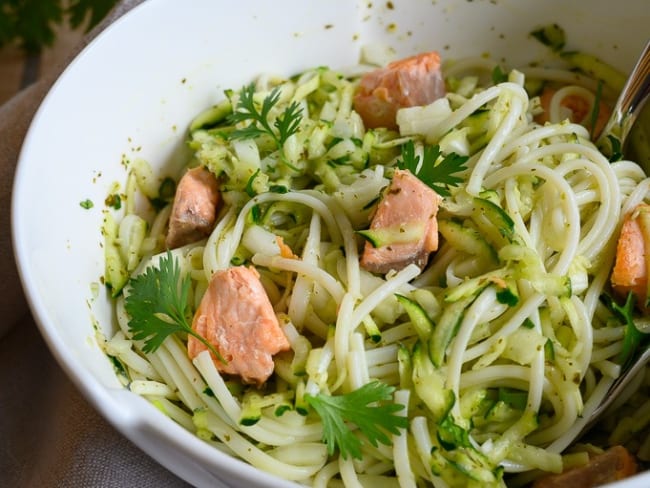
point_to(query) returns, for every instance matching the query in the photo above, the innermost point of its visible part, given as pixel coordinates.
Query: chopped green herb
(237, 261)
(256, 214)
(549, 350)
(515, 398)
(355, 407)
(249, 184)
(87, 204)
(508, 294)
(166, 192)
(167, 189)
(114, 200)
(633, 337)
(439, 176)
(343, 160)
(551, 35)
(120, 369)
(278, 189)
(617, 150)
(281, 409)
(333, 142)
(528, 324)
(157, 303)
(498, 75)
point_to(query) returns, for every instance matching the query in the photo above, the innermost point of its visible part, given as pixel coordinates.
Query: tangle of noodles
(524, 372)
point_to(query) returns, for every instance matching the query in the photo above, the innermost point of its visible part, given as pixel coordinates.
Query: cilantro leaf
(436, 176)
(354, 407)
(633, 338)
(157, 304)
(288, 123)
(283, 127)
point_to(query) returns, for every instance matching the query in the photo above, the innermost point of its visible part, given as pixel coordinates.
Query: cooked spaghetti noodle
(525, 368)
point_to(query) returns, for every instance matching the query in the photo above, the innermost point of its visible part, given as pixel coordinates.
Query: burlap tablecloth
(50, 436)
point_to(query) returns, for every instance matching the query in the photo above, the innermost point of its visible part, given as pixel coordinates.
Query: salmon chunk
(409, 82)
(630, 270)
(405, 221)
(236, 317)
(580, 111)
(614, 464)
(194, 211)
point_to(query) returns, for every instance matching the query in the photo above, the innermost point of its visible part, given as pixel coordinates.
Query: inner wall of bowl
(134, 90)
(501, 28)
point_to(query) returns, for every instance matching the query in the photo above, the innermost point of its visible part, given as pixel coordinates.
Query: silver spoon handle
(632, 99)
(617, 390)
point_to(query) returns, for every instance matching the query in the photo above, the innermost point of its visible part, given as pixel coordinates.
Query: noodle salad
(349, 285)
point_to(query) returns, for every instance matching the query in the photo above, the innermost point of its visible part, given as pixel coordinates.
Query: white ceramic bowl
(133, 91)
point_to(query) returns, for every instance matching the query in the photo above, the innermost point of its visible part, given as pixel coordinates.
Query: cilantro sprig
(438, 176)
(284, 126)
(362, 408)
(157, 303)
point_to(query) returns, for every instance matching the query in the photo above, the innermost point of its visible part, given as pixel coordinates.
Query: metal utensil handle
(633, 97)
(616, 389)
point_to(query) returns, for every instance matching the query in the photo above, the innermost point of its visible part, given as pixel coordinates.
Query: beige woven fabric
(49, 434)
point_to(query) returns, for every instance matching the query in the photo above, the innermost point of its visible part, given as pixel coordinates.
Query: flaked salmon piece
(236, 317)
(194, 211)
(614, 464)
(407, 212)
(285, 250)
(409, 82)
(630, 271)
(580, 111)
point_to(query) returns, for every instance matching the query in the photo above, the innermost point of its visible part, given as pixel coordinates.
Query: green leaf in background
(32, 24)
(80, 9)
